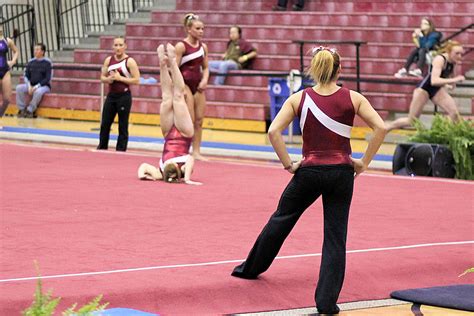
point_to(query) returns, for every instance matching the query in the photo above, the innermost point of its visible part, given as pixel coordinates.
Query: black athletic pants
(418, 56)
(115, 103)
(335, 184)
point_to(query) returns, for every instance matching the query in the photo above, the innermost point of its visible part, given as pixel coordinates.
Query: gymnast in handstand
(176, 125)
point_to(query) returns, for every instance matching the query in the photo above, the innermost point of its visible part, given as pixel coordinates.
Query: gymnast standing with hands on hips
(326, 112)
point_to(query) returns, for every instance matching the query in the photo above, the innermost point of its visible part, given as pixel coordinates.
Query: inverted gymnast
(176, 125)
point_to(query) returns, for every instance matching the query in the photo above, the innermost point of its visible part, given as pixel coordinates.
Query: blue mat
(454, 296)
(124, 312)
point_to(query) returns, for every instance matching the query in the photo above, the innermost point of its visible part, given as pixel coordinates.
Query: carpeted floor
(77, 211)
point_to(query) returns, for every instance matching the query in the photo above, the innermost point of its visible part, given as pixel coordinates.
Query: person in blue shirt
(425, 39)
(37, 79)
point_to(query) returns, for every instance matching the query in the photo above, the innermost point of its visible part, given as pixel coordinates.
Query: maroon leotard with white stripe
(122, 68)
(191, 65)
(176, 146)
(321, 145)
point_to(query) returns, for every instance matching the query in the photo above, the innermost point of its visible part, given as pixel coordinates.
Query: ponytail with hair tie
(324, 65)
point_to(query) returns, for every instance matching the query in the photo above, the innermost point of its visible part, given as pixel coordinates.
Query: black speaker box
(417, 159)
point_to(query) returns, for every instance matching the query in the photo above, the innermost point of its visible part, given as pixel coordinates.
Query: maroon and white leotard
(176, 148)
(326, 123)
(122, 68)
(191, 65)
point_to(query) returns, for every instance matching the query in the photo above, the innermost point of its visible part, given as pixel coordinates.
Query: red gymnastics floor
(169, 248)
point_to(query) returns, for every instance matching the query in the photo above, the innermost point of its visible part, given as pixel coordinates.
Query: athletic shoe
(21, 113)
(416, 73)
(29, 114)
(402, 73)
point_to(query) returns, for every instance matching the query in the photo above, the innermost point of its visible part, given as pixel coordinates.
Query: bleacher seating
(385, 25)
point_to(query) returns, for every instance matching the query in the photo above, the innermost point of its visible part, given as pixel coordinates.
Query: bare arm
(135, 79)
(436, 79)
(205, 70)
(281, 121)
(149, 172)
(15, 51)
(365, 110)
(179, 47)
(188, 171)
(104, 74)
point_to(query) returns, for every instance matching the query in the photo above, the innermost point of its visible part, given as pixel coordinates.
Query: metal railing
(18, 21)
(462, 30)
(326, 42)
(57, 23)
(65, 22)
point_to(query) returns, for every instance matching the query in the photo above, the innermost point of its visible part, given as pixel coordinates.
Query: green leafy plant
(457, 136)
(45, 305)
(90, 308)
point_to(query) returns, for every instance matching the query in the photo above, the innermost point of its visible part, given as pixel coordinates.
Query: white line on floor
(188, 265)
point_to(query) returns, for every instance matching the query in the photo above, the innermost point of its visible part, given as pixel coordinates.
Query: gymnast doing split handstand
(176, 125)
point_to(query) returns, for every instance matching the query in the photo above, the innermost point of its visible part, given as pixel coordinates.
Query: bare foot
(200, 157)
(171, 51)
(161, 54)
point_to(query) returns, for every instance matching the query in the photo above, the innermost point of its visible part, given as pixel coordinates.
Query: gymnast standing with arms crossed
(176, 125)
(5, 66)
(191, 55)
(326, 113)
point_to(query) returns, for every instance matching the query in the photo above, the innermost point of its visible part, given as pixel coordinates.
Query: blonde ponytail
(189, 19)
(324, 66)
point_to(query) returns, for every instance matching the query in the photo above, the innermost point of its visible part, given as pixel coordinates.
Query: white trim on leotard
(179, 159)
(334, 126)
(192, 56)
(122, 65)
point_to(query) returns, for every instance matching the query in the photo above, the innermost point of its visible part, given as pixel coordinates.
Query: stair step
(225, 110)
(164, 5)
(342, 18)
(403, 6)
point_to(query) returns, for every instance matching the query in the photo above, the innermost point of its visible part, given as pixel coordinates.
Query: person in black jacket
(37, 79)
